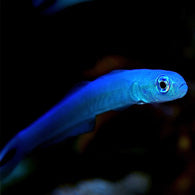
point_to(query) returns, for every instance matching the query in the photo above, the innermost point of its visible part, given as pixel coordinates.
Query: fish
(76, 113)
(132, 184)
(54, 6)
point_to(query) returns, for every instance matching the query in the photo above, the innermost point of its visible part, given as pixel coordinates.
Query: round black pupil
(163, 85)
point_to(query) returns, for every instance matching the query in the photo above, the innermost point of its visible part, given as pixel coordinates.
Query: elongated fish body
(56, 5)
(75, 114)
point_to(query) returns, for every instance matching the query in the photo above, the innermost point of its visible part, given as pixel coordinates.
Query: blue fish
(76, 113)
(53, 6)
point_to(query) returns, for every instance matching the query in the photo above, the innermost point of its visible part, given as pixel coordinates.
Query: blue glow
(58, 5)
(76, 113)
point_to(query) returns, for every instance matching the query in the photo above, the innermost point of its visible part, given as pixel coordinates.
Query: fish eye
(163, 84)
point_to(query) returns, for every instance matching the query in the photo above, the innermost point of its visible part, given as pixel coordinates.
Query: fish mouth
(183, 88)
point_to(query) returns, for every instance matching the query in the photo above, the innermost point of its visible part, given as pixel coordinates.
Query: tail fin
(9, 157)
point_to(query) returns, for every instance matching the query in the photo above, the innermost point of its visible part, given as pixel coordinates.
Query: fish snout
(183, 88)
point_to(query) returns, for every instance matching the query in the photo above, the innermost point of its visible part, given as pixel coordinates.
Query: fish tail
(10, 155)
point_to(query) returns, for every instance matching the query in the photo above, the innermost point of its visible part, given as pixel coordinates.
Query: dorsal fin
(77, 87)
(116, 71)
(113, 72)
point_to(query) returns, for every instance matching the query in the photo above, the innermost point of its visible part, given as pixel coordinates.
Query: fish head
(161, 86)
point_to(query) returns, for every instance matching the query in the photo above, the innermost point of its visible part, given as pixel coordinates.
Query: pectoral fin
(76, 130)
(81, 128)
